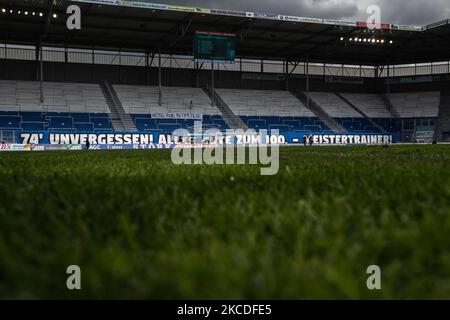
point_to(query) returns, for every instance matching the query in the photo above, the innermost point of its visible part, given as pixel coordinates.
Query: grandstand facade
(295, 76)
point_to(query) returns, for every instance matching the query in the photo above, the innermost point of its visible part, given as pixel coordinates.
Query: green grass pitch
(140, 227)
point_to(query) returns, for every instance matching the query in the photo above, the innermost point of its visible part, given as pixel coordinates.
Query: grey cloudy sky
(411, 12)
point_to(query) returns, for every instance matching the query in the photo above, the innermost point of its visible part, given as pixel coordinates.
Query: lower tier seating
(401, 126)
(36, 121)
(146, 123)
(404, 128)
(285, 124)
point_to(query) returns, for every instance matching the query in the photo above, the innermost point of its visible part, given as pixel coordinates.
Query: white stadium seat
(264, 103)
(144, 100)
(371, 105)
(58, 97)
(417, 105)
(333, 105)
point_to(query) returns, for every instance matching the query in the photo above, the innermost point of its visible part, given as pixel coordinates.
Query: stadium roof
(144, 26)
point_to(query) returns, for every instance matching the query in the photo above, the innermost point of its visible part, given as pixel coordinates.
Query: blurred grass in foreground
(141, 227)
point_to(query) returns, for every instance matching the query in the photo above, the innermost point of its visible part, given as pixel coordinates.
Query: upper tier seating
(416, 105)
(371, 105)
(333, 105)
(264, 103)
(24, 96)
(144, 100)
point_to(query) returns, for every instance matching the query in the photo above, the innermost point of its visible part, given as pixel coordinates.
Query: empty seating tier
(264, 103)
(36, 121)
(142, 101)
(416, 105)
(145, 100)
(371, 105)
(82, 107)
(25, 96)
(333, 105)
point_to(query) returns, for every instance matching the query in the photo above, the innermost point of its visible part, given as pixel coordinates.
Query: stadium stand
(38, 121)
(347, 117)
(443, 122)
(142, 101)
(370, 104)
(270, 109)
(416, 104)
(66, 106)
(82, 107)
(24, 96)
(371, 113)
(264, 103)
(417, 115)
(343, 114)
(334, 106)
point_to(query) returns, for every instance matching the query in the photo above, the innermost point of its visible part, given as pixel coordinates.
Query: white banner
(177, 115)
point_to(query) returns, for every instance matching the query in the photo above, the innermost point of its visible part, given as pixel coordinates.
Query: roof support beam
(295, 64)
(244, 32)
(47, 18)
(183, 29)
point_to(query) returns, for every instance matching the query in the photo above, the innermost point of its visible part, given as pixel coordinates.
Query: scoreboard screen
(214, 46)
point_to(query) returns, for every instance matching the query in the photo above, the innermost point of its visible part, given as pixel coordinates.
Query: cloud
(413, 12)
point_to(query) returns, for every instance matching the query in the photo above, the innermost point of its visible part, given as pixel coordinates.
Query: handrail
(318, 110)
(390, 106)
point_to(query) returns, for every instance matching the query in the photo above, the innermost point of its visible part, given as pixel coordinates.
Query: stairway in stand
(121, 121)
(443, 121)
(318, 111)
(233, 121)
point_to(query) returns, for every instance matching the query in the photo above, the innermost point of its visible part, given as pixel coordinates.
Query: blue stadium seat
(80, 117)
(10, 122)
(32, 117)
(84, 126)
(145, 124)
(60, 122)
(87, 122)
(169, 127)
(101, 123)
(33, 126)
